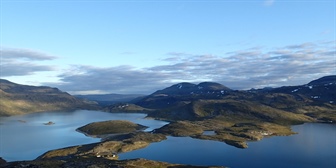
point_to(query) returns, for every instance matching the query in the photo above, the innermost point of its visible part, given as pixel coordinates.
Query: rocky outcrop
(113, 144)
(98, 163)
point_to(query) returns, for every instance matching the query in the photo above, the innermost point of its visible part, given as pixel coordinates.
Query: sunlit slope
(18, 99)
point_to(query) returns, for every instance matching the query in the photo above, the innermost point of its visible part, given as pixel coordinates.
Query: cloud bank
(22, 62)
(252, 68)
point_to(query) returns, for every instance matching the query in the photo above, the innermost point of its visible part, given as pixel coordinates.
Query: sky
(140, 46)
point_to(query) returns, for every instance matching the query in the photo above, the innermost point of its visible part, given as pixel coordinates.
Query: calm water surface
(314, 146)
(27, 140)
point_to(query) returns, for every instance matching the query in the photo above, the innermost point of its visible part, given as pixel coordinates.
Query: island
(110, 127)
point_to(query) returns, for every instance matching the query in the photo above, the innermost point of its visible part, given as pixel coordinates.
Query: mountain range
(189, 101)
(185, 101)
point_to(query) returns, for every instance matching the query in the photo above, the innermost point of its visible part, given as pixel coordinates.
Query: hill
(320, 90)
(183, 92)
(18, 99)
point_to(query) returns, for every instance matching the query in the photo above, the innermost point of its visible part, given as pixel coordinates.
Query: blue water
(30, 139)
(313, 146)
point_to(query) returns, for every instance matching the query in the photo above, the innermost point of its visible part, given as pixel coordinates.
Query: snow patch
(310, 87)
(295, 90)
(329, 84)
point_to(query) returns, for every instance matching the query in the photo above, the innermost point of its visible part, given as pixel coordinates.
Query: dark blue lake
(313, 146)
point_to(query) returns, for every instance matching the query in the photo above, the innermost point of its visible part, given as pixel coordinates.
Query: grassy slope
(20, 99)
(110, 127)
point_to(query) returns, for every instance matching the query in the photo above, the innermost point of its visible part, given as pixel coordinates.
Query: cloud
(269, 2)
(251, 68)
(19, 62)
(120, 79)
(15, 53)
(22, 69)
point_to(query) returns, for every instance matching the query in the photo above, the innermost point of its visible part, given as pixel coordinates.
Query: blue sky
(107, 46)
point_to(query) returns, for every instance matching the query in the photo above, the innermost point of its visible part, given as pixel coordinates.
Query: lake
(25, 137)
(314, 146)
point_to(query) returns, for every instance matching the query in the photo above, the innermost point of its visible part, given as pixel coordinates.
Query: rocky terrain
(18, 99)
(112, 144)
(97, 163)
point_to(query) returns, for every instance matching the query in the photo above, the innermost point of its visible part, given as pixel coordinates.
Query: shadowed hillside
(186, 101)
(18, 99)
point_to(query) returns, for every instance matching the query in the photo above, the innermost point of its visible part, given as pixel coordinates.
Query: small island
(110, 127)
(49, 123)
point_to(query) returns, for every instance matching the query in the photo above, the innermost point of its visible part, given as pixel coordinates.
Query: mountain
(186, 101)
(20, 99)
(108, 99)
(321, 90)
(189, 88)
(177, 93)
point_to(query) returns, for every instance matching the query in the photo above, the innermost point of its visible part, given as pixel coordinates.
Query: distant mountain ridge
(326, 80)
(321, 90)
(21, 99)
(185, 101)
(108, 99)
(189, 88)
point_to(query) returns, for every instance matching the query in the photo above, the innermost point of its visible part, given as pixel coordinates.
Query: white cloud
(22, 62)
(28, 54)
(252, 68)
